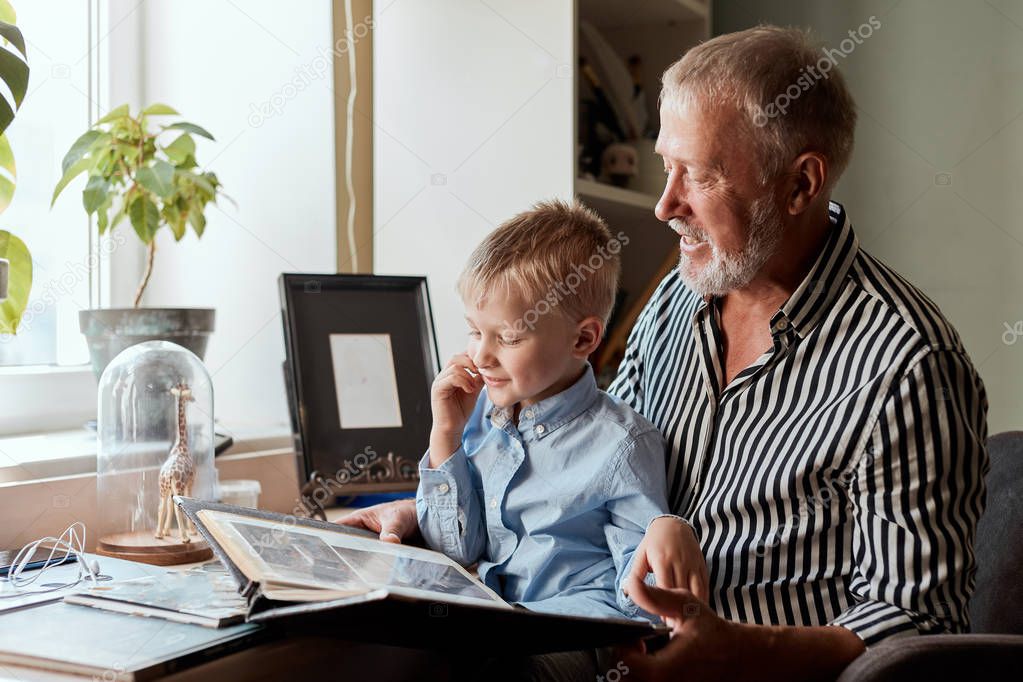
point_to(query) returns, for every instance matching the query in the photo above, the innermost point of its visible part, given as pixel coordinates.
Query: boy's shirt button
(528, 414)
(493, 503)
(443, 488)
(540, 429)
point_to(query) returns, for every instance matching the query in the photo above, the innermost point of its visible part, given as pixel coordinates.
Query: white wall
(934, 185)
(473, 111)
(213, 60)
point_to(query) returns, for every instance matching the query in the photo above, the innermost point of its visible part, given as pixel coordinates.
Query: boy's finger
(663, 602)
(665, 573)
(696, 586)
(680, 576)
(702, 590)
(640, 567)
(467, 384)
(461, 386)
(465, 361)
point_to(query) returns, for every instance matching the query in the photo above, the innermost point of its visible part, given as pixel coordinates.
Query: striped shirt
(839, 478)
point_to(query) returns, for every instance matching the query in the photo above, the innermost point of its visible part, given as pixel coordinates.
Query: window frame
(27, 401)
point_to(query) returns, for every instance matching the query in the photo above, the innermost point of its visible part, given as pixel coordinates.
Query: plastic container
(241, 493)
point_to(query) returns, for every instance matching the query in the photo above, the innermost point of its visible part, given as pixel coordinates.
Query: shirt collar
(551, 413)
(813, 297)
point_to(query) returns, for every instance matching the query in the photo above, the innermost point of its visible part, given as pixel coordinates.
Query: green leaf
(180, 149)
(7, 13)
(130, 152)
(120, 215)
(175, 221)
(19, 282)
(145, 217)
(82, 145)
(205, 186)
(103, 215)
(8, 173)
(196, 217)
(191, 128)
(95, 193)
(159, 110)
(69, 175)
(12, 34)
(14, 73)
(114, 114)
(159, 179)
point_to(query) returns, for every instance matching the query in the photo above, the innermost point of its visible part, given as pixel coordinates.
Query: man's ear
(805, 181)
(589, 333)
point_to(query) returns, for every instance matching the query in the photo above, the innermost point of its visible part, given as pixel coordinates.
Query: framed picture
(361, 356)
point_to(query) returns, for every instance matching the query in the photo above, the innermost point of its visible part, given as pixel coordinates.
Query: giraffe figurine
(178, 473)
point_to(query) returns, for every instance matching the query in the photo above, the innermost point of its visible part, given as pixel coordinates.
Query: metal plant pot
(108, 331)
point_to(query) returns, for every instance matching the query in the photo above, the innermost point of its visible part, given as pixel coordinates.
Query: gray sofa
(995, 649)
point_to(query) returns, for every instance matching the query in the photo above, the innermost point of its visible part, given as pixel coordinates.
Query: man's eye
(511, 342)
(474, 334)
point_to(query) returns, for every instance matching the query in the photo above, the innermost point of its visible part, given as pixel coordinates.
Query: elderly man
(826, 425)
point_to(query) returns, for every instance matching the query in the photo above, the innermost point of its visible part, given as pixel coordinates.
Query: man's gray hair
(786, 87)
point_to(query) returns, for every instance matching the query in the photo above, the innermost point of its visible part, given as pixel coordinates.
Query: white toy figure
(178, 472)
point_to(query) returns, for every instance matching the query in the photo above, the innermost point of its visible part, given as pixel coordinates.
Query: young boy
(546, 481)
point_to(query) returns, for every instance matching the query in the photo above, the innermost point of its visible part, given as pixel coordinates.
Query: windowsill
(19, 370)
(57, 454)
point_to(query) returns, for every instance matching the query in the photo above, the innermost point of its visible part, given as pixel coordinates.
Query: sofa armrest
(939, 657)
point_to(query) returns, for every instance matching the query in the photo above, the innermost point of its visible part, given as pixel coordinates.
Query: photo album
(311, 575)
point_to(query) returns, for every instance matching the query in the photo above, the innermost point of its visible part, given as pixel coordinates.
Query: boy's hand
(452, 398)
(671, 551)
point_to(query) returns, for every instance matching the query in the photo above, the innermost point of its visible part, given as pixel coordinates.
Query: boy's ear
(589, 332)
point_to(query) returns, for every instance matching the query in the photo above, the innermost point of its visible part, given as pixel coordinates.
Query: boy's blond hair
(557, 256)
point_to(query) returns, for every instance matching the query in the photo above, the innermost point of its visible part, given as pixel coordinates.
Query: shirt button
(528, 414)
(493, 503)
(443, 488)
(540, 429)
(782, 325)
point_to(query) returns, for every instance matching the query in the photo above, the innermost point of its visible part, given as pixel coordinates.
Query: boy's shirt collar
(550, 414)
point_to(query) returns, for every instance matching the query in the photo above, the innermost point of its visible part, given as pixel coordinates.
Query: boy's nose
(483, 358)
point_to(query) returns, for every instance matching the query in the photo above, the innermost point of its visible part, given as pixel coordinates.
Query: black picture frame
(355, 461)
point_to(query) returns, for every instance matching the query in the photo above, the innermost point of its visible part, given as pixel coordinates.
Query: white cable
(69, 542)
(349, 136)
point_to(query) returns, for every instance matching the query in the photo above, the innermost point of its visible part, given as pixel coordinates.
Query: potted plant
(15, 260)
(150, 177)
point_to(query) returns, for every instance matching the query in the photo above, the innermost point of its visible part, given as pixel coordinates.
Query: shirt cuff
(671, 516)
(876, 621)
(442, 501)
(445, 486)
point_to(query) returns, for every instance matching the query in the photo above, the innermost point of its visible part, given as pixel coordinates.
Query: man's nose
(674, 201)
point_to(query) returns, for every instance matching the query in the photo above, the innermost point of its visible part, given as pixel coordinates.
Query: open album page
(294, 563)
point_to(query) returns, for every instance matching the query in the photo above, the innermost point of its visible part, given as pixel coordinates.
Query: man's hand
(671, 551)
(394, 521)
(704, 646)
(452, 397)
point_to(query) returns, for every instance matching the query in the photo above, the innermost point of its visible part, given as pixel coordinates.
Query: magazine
(195, 596)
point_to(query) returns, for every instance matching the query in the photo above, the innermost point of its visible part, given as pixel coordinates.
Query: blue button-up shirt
(553, 507)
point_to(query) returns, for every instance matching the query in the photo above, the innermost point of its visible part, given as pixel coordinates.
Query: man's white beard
(729, 271)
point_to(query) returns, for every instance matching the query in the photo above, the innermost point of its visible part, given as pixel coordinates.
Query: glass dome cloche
(155, 440)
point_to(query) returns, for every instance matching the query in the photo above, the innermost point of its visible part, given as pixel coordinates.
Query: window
(63, 96)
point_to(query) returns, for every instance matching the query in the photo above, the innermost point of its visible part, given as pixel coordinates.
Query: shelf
(618, 14)
(628, 197)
